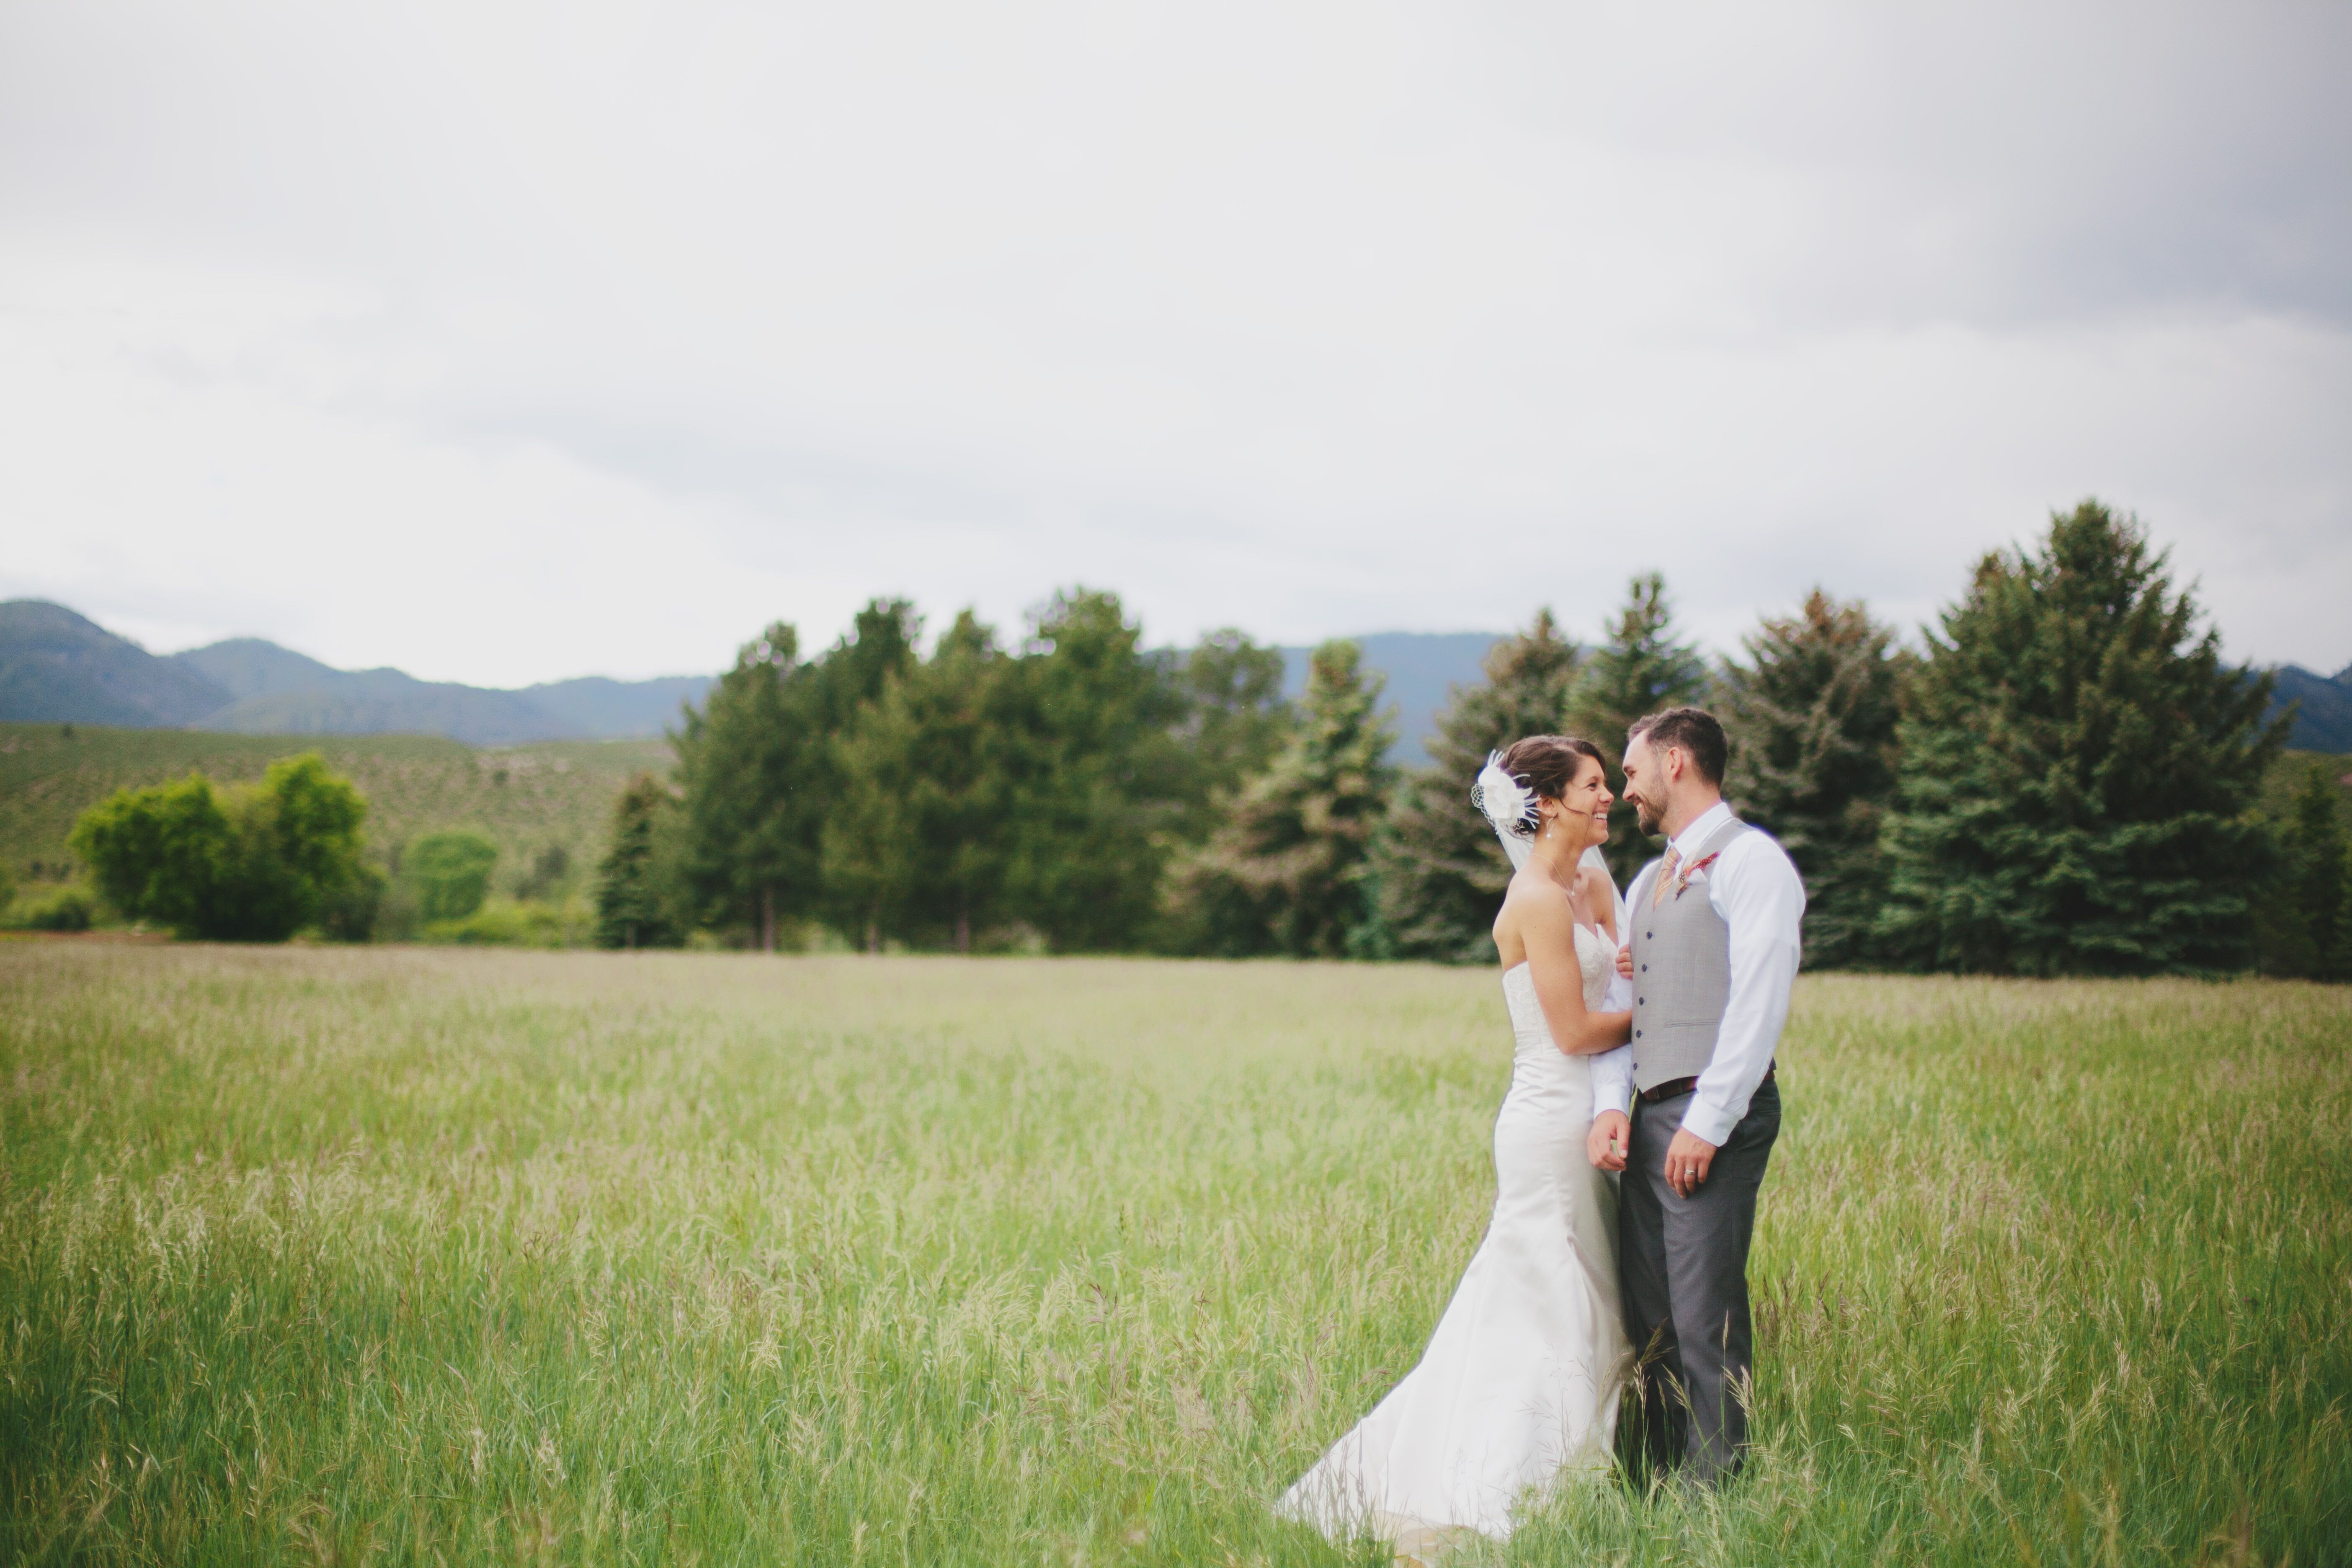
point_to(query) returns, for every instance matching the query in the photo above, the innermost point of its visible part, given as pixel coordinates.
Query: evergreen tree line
(2066, 779)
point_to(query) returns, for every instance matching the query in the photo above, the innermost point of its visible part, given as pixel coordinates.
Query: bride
(1519, 1383)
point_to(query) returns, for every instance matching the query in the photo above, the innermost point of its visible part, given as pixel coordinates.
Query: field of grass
(522, 797)
(434, 1255)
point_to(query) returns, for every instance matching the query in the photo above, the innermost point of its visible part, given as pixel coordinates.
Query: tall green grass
(439, 1256)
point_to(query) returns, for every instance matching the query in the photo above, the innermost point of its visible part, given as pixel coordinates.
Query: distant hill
(1422, 669)
(251, 667)
(57, 666)
(2323, 720)
(525, 798)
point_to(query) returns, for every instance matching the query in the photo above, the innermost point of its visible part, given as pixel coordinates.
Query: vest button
(1646, 969)
(1649, 936)
(1641, 1001)
(1637, 1034)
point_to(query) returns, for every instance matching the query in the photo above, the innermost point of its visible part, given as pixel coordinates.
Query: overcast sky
(507, 342)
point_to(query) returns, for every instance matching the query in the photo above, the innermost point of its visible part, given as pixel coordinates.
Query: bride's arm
(1550, 931)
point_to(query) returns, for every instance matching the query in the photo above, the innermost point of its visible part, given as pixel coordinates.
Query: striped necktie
(1665, 875)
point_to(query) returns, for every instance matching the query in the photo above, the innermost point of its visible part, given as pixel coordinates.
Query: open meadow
(440, 1256)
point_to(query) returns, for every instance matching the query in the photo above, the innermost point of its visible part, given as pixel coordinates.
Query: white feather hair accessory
(1509, 806)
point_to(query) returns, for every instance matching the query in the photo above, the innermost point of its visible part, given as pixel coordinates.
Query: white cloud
(508, 342)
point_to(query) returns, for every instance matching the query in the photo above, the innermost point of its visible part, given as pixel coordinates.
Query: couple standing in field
(1645, 1027)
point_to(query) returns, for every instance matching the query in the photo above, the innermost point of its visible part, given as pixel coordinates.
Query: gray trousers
(1684, 1262)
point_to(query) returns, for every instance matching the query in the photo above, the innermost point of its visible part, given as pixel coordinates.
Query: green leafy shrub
(249, 863)
(54, 909)
(503, 922)
(451, 873)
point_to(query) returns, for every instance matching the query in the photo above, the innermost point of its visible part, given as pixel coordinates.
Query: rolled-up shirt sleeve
(1612, 1081)
(1762, 899)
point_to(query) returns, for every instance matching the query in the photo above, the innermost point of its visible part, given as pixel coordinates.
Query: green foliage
(1639, 668)
(1094, 774)
(522, 798)
(920, 831)
(505, 922)
(245, 864)
(634, 907)
(1286, 873)
(2303, 919)
(1438, 868)
(752, 766)
(2077, 763)
(451, 872)
(1811, 717)
(159, 854)
(550, 871)
(757, 767)
(54, 909)
(1236, 722)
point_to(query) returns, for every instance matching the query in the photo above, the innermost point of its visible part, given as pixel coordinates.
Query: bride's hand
(1606, 1144)
(1625, 960)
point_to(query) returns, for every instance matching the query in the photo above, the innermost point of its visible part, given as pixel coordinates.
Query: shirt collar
(1685, 843)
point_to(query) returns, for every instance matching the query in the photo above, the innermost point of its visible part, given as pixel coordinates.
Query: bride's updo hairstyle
(1547, 765)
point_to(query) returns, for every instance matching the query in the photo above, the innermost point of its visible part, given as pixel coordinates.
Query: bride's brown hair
(1547, 765)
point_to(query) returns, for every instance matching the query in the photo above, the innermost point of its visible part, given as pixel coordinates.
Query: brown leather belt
(1680, 1086)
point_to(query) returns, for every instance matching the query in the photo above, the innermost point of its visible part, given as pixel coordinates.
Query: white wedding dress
(1519, 1387)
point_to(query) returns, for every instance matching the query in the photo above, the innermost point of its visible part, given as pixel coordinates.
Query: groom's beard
(1646, 818)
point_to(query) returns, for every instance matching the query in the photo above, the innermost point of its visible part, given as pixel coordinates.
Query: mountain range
(57, 667)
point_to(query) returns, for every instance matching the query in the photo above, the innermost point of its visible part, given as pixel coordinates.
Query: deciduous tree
(451, 871)
(250, 863)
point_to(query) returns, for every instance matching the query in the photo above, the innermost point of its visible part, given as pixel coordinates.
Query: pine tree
(1085, 741)
(1439, 870)
(1236, 721)
(754, 769)
(1640, 669)
(918, 833)
(1286, 873)
(2076, 762)
(1812, 719)
(2304, 923)
(631, 909)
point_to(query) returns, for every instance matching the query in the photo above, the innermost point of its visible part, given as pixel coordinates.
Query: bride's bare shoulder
(1535, 897)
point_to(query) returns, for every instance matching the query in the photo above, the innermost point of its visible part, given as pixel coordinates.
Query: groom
(1687, 1107)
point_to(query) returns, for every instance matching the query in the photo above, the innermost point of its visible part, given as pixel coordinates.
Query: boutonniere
(1682, 878)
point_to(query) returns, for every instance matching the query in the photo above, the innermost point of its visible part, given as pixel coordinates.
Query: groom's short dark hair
(1695, 729)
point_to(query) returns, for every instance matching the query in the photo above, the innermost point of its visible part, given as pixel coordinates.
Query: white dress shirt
(1754, 889)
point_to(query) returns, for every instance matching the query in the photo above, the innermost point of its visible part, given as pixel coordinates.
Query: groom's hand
(1687, 1158)
(1626, 962)
(1611, 1138)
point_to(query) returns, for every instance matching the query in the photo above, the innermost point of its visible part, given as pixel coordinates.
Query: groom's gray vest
(1681, 974)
